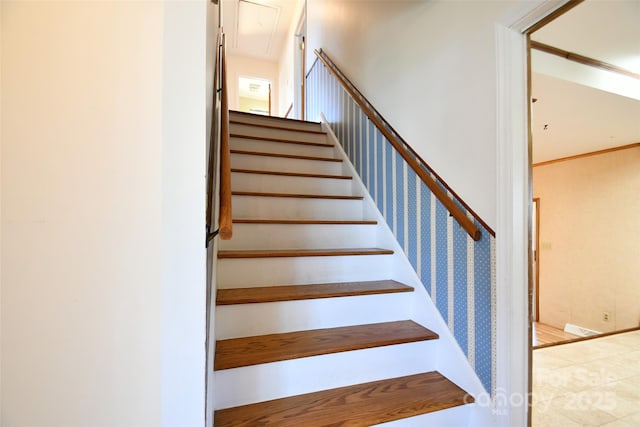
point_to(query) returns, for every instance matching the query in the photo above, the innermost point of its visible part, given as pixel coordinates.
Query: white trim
(419, 227)
(512, 351)
(361, 144)
(384, 179)
(513, 195)
(450, 284)
(471, 301)
(352, 125)
(369, 171)
(375, 164)
(394, 194)
(351, 133)
(405, 202)
(494, 365)
(527, 16)
(433, 283)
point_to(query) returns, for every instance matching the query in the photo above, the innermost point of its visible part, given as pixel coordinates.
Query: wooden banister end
(476, 235)
(226, 233)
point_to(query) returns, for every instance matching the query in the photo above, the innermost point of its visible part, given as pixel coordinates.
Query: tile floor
(588, 383)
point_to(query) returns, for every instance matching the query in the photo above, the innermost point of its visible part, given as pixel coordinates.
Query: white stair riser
(263, 120)
(290, 236)
(246, 161)
(250, 384)
(265, 132)
(458, 416)
(243, 320)
(296, 208)
(281, 148)
(241, 273)
(290, 184)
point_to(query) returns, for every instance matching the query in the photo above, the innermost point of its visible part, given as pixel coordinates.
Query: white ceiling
(580, 114)
(579, 119)
(258, 28)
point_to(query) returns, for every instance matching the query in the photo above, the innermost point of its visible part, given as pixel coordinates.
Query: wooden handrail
(219, 150)
(288, 111)
(407, 153)
(225, 220)
(211, 166)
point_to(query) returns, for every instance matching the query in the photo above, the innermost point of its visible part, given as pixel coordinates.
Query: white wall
(102, 162)
(285, 74)
(213, 14)
(184, 138)
(430, 69)
(286, 65)
(244, 66)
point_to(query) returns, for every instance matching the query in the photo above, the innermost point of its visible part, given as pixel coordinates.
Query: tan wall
(589, 246)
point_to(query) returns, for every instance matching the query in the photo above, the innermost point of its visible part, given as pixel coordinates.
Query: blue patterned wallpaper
(457, 272)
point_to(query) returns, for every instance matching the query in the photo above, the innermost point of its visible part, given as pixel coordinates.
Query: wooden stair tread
(304, 221)
(295, 174)
(298, 196)
(286, 156)
(237, 122)
(360, 404)
(270, 253)
(283, 141)
(237, 352)
(357, 405)
(303, 292)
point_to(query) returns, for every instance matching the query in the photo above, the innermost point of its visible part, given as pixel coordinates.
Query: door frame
(299, 65)
(514, 204)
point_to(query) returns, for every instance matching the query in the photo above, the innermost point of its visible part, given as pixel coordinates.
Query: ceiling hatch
(256, 27)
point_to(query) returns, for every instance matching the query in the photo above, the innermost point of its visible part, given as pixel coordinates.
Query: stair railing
(219, 168)
(419, 166)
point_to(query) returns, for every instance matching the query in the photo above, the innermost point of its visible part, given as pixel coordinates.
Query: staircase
(311, 328)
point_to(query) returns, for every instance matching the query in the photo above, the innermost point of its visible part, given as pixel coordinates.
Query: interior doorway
(254, 95)
(557, 290)
(582, 167)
